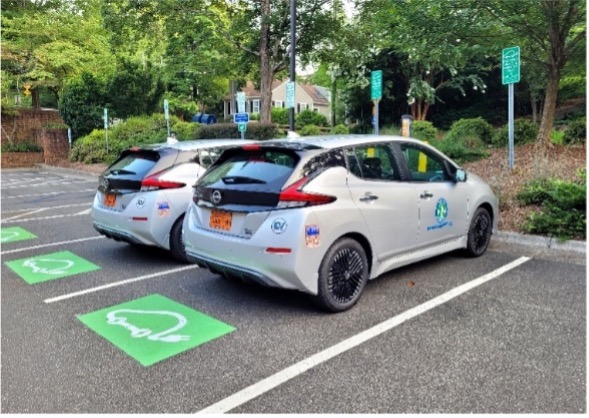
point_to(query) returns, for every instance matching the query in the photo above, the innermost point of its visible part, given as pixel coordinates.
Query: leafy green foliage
(563, 207)
(186, 130)
(257, 131)
(576, 132)
(572, 87)
(81, 104)
(22, 147)
(310, 130)
(424, 130)
(339, 130)
(309, 117)
(524, 132)
(462, 149)
(470, 128)
(280, 116)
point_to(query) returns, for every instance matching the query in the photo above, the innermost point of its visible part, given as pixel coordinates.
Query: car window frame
(447, 165)
(392, 159)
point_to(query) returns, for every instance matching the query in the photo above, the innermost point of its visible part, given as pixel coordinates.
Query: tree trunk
(36, 98)
(549, 107)
(265, 70)
(534, 105)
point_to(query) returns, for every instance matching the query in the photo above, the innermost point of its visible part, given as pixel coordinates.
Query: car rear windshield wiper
(121, 171)
(241, 180)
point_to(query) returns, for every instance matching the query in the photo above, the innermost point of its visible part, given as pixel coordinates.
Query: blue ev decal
(278, 226)
(441, 214)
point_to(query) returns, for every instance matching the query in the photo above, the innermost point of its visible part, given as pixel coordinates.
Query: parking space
(90, 325)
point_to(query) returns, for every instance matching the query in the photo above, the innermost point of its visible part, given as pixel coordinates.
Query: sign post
(241, 119)
(106, 126)
(510, 74)
(376, 95)
(167, 114)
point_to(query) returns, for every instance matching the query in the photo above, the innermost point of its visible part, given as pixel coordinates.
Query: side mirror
(460, 175)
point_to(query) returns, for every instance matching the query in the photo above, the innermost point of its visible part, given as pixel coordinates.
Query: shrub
(257, 131)
(390, 130)
(524, 132)
(563, 207)
(576, 132)
(256, 116)
(557, 137)
(81, 104)
(423, 130)
(462, 150)
(309, 117)
(280, 116)
(22, 147)
(475, 127)
(186, 130)
(310, 130)
(339, 130)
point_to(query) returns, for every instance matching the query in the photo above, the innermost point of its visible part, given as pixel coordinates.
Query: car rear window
(260, 166)
(135, 163)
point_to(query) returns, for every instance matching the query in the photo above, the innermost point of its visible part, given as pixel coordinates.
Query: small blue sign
(241, 118)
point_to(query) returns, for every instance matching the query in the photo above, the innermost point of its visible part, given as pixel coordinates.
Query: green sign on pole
(290, 94)
(376, 85)
(153, 328)
(510, 68)
(242, 127)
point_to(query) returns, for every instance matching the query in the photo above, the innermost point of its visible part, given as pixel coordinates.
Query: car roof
(336, 141)
(196, 144)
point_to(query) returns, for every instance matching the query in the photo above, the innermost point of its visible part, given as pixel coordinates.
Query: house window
(256, 106)
(315, 109)
(278, 103)
(302, 106)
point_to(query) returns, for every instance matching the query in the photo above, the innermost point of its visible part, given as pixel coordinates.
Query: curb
(539, 241)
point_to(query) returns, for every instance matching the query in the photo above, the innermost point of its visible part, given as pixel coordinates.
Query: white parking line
(57, 182)
(44, 218)
(53, 244)
(47, 194)
(123, 282)
(295, 370)
(6, 212)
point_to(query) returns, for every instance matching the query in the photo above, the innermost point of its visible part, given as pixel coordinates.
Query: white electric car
(323, 215)
(143, 196)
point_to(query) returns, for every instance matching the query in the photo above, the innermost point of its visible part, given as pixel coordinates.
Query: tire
(176, 243)
(479, 233)
(343, 274)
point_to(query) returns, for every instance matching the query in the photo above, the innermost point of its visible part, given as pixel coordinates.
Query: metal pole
(376, 117)
(511, 157)
(293, 17)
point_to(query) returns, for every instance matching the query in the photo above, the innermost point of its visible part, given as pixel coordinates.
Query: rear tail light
(294, 197)
(154, 182)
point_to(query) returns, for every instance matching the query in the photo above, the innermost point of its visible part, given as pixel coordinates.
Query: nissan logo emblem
(104, 183)
(216, 197)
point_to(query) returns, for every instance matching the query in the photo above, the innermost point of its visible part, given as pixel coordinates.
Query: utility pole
(293, 25)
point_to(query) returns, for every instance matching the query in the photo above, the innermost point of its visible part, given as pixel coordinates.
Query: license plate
(220, 220)
(110, 199)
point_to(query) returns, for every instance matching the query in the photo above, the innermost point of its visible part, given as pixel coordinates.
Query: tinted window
(253, 167)
(206, 157)
(423, 164)
(372, 162)
(135, 162)
(323, 161)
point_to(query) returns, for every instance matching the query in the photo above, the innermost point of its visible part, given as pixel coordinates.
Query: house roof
(318, 94)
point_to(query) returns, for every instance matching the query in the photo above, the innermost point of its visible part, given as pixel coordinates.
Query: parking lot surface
(90, 325)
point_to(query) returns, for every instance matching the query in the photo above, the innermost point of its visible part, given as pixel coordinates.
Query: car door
(387, 204)
(442, 202)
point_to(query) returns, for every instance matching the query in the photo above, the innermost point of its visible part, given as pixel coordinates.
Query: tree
(81, 104)
(261, 29)
(428, 36)
(553, 33)
(48, 43)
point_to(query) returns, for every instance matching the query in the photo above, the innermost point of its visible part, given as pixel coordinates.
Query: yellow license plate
(220, 220)
(110, 199)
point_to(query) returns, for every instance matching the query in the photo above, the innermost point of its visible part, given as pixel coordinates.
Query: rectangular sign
(105, 118)
(166, 109)
(376, 85)
(240, 102)
(241, 118)
(290, 94)
(510, 65)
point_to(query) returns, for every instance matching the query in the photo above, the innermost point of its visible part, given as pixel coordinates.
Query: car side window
(372, 162)
(424, 165)
(324, 160)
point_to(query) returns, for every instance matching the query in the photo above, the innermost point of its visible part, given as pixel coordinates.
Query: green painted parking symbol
(53, 266)
(14, 234)
(153, 328)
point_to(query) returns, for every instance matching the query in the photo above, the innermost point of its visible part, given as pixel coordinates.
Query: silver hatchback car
(143, 196)
(323, 215)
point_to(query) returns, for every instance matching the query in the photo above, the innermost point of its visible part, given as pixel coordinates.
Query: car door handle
(426, 195)
(368, 198)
